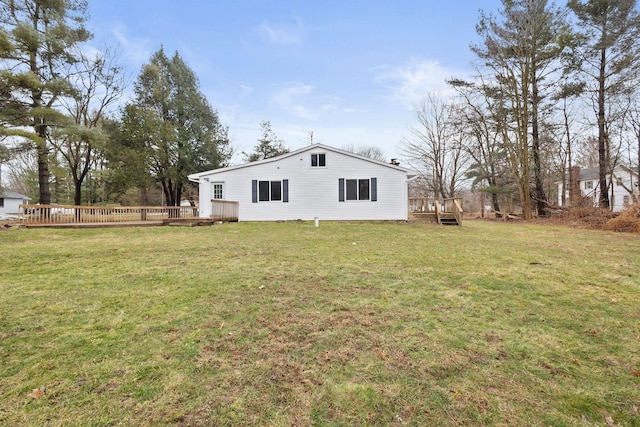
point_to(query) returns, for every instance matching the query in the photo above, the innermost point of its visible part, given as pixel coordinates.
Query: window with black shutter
(358, 189)
(270, 191)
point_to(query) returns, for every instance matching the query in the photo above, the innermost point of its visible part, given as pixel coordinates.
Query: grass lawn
(279, 324)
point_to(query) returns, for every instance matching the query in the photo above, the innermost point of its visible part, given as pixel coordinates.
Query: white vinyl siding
(313, 191)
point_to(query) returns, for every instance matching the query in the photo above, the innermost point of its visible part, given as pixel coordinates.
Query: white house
(10, 201)
(315, 181)
(625, 183)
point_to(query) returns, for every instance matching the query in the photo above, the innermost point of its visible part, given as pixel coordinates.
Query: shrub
(628, 220)
(582, 216)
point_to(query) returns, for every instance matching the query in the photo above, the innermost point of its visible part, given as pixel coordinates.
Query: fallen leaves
(37, 393)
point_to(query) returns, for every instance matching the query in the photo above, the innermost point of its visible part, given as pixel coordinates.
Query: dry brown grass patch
(627, 221)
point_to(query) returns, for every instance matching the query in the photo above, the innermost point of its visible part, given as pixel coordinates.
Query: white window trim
(213, 190)
(318, 166)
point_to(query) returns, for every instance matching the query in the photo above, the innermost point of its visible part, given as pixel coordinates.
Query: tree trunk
(603, 167)
(143, 196)
(43, 167)
(572, 196)
(43, 176)
(494, 196)
(525, 197)
(77, 193)
(541, 197)
(178, 197)
(167, 192)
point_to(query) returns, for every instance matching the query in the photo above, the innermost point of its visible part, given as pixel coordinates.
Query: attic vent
(395, 162)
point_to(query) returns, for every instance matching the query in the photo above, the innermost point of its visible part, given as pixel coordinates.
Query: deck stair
(448, 212)
(448, 218)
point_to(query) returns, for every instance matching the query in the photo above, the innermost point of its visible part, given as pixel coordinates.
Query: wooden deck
(95, 224)
(68, 216)
(449, 212)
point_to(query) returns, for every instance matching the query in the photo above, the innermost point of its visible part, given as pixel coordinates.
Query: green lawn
(279, 324)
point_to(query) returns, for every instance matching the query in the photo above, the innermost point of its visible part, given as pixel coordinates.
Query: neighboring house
(10, 201)
(317, 181)
(625, 182)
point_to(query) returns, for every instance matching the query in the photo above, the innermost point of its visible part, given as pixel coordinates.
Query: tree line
(57, 111)
(553, 87)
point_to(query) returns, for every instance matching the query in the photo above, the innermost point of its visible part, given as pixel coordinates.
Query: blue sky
(351, 72)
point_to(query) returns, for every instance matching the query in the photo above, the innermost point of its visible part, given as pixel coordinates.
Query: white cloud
(411, 82)
(136, 50)
(281, 34)
(292, 100)
(245, 90)
(305, 102)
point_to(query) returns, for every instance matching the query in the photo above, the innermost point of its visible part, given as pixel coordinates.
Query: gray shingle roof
(13, 195)
(588, 174)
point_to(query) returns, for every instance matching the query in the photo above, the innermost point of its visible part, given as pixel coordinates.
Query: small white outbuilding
(317, 181)
(10, 201)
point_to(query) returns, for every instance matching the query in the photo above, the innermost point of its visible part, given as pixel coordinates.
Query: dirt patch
(8, 221)
(9, 225)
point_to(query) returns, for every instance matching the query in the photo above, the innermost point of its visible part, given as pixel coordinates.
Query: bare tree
(480, 122)
(435, 147)
(566, 96)
(610, 57)
(520, 50)
(633, 120)
(98, 84)
(369, 151)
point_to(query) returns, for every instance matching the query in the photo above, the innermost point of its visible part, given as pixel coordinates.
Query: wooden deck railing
(69, 214)
(454, 205)
(224, 210)
(422, 205)
(432, 209)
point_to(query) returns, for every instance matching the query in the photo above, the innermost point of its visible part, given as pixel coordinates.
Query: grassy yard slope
(347, 324)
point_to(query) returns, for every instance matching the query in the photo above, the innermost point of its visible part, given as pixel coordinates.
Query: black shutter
(374, 189)
(285, 191)
(254, 191)
(341, 189)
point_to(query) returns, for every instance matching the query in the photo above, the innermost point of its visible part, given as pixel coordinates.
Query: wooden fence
(224, 210)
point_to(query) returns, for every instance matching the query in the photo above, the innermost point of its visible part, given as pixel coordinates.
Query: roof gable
(590, 174)
(196, 176)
